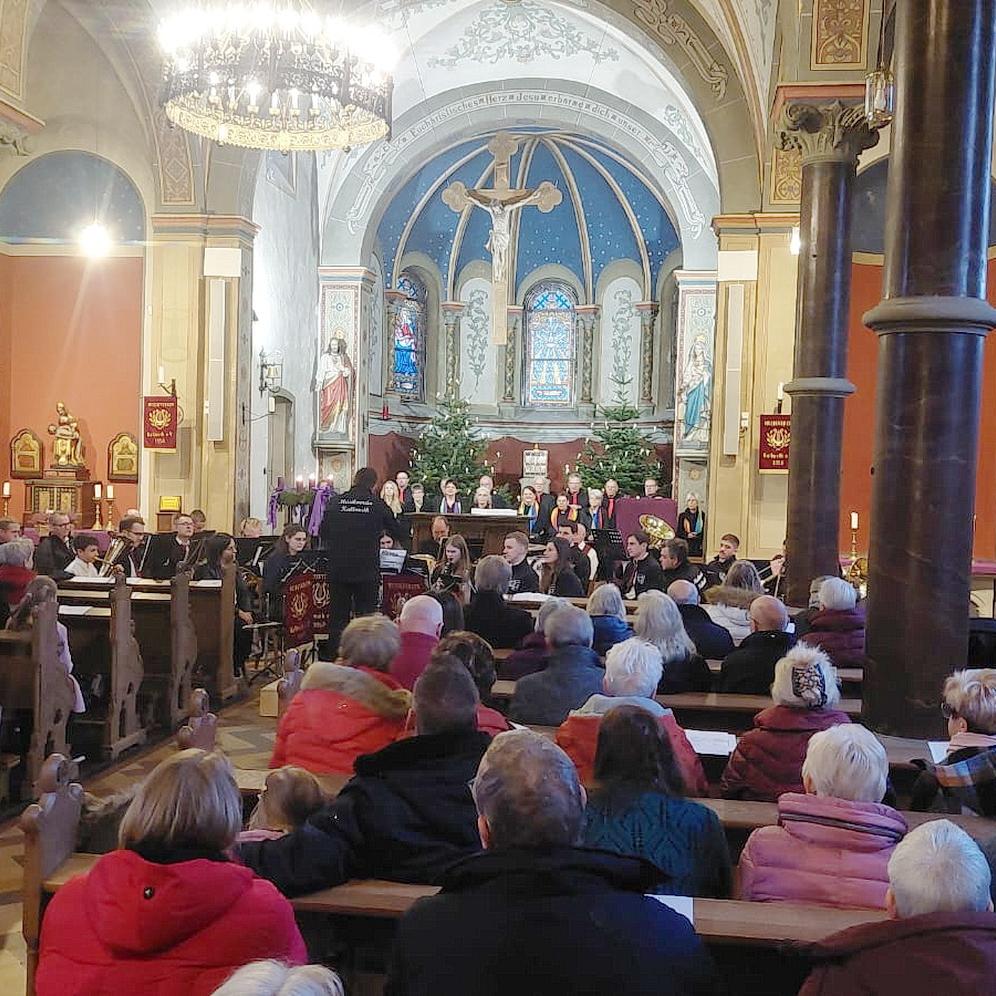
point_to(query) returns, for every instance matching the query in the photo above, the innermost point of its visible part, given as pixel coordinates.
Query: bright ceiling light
(95, 240)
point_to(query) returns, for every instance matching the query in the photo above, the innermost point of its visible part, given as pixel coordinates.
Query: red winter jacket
(340, 713)
(841, 633)
(14, 581)
(768, 760)
(131, 926)
(491, 721)
(578, 736)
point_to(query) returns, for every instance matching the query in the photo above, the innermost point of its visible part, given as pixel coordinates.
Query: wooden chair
(201, 728)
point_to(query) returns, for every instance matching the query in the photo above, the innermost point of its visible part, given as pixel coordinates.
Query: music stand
(608, 544)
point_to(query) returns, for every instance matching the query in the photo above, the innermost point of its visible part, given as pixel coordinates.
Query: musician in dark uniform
(131, 559)
(180, 552)
(219, 551)
(643, 570)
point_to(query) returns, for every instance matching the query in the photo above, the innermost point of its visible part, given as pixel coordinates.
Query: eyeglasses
(947, 712)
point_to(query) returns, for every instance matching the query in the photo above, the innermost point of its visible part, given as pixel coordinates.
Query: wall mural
(478, 370)
(619, 352)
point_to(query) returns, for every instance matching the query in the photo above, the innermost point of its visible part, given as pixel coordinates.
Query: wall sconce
(880, 98)
(271, 371)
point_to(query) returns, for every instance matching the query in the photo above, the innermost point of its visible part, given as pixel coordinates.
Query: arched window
(408, 340)
(551, 346)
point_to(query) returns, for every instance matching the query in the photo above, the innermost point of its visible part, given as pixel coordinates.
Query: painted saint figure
(67, 444)
(696, 385)
(334, 382)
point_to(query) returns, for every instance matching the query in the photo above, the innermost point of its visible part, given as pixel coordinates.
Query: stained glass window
(550, 346)
(408, 364)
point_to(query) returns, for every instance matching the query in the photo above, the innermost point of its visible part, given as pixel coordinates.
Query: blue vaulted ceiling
(609, 212)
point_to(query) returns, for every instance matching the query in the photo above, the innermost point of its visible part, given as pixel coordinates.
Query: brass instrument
(116, 547)
(857, 576)
(657, 529)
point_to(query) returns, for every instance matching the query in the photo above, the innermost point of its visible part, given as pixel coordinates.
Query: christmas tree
(449, 447)
(619, 450)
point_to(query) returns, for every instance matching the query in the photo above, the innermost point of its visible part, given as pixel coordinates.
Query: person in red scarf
(609, 503)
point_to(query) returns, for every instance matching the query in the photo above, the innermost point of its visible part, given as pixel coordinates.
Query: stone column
(931, 325)
(452, 313)
(586, 316)
(830, 137)
(648, 316)
(511, 352)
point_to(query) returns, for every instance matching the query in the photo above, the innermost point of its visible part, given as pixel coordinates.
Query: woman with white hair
(16, 572)
(691, 525)
(632, 673)
(768, 759)
(659, 622)
(832, 845)
(608, 616)
(728, 604)
(273, 978)
(534, 653)
(838, 625)
(965, 781)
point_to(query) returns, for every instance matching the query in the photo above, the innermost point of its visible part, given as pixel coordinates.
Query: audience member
(750, 669)
(348, 708)
(767, 760)
(838, 625)
(559, 919)
(488, 614)
(406, 815)
(965, 781)
(642, 572)
(632, 671)
(452, 611)
(638, 807)
(290, 796)
(53, 553)
(608, 618)
(477, 656)
(10, 530)
(420, 626)
(832, 845)
(729, 604)
(84, 564)
(557, 575)
(524, 578)
(717, 568)
(941, 935)
(274, 978)
(711, 640)
(691, 525)
(16, 570)
(571, 676)
(659, 623)
(168, 910)
(534, 654)
(676, 566)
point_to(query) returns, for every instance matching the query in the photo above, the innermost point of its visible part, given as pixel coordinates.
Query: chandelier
(263, 76)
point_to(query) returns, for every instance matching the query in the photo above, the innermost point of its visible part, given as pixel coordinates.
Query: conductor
(351, 531)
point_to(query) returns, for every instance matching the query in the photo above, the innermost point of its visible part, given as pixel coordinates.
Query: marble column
(452, 313)
(587, 319)
(931, 324)
(648, 318)
(830, 137)
(511, 352)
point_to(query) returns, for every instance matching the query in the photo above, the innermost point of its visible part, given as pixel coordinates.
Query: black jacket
(711, 640)
(642, 575)
(405, 816)
(689, 674)
(750, 669)
(683, 572)
(490, 617)
(524, 579)
(52, 556)
(541, 922)
(351, 532)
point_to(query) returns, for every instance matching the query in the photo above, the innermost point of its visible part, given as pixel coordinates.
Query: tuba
(857, 576)
(657, 529)
(114, 550)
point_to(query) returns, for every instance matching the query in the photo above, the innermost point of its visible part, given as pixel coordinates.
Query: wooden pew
(104, 648)
(201, 728)
(33, 680)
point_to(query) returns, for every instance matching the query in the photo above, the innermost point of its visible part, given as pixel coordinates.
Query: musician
(674, 561)
(609, 503)
(716, 569)
(482, 498)
(579, 562)
(524, 578)
(452, 573)
(54, 553)
(557, 576)
(585, 547)
(643, 571)
(219, 552)
(199, 519)
(132, 558)
(440, 534)
(285, 554)
(180, 552)
(450, 505)
(251, 528)
(84, 565)
(416, 501)
(547, 501)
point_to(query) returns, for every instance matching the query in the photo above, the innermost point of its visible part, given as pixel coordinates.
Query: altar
(485, 534)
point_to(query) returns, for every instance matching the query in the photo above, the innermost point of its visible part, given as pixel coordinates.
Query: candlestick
(6, 489)
(97, 492)
(110, 492)
(781, 390)
(854, 520)
(98, 525)
(271, 404)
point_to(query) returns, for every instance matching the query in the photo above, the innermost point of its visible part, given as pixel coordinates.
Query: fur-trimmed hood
(739, 598)
(375, 690)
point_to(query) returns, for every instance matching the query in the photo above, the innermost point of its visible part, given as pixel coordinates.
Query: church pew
(33, 681)
(106, 653)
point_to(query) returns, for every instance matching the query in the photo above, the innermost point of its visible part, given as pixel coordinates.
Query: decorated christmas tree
(449, 447)
(619, 449)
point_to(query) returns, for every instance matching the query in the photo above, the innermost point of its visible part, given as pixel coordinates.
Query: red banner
(320, 601)
(396, 590)
(773, 448)
(299, 610)
(159, 423)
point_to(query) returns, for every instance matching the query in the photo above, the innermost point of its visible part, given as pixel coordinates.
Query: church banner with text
(159, 423)
(773, 449)
(299, 610)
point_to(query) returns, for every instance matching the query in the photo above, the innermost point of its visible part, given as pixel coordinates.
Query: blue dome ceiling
(609, 212)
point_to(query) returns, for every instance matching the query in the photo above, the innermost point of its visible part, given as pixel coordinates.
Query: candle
(96, 492)
(300, 481)
(110, 492)
(567, 468)
(271, 404)
(781, 391)
(854, 520)
(6, 489)
(311, 480)
(162, 375)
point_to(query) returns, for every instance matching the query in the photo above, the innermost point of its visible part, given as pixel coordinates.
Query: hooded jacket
(841, 633)
(728, 607)
(573, 675)
(828, 851)
(340, 713)
(767, 760)
(953, 953)
(552, 920)
(134, 926)
(405, 816)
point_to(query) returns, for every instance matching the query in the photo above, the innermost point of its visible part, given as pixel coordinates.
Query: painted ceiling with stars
(609, 212)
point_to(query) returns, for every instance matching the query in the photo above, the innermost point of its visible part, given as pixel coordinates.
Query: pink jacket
(825, 851)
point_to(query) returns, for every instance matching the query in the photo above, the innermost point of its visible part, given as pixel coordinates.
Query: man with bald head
(421, 625)
(712, 641)
(750, 669)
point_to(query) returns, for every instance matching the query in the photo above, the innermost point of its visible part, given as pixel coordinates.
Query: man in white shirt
(87, 551)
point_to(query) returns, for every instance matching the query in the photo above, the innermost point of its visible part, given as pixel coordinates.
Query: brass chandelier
(276, 77)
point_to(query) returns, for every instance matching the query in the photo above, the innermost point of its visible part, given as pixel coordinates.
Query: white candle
(162, 375)
(781, 391)
(271, 404)
(96, 492)
(854, 520)
(110, 492)
(6, 489)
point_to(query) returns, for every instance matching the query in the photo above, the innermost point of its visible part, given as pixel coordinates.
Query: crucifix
(501, 202)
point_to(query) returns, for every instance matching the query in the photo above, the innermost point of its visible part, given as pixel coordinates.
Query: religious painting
(122, 458)
(551, 347)
(26, 455)
(335, 389)
(408, 339)
(338, 364)
(694, 371)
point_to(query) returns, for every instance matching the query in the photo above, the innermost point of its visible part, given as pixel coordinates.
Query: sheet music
(712, 742)
(685, 905)
(73, 610)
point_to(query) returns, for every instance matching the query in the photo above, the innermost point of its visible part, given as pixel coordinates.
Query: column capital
(826, 132)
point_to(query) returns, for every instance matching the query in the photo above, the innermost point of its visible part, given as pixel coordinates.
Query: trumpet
(114, 550)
